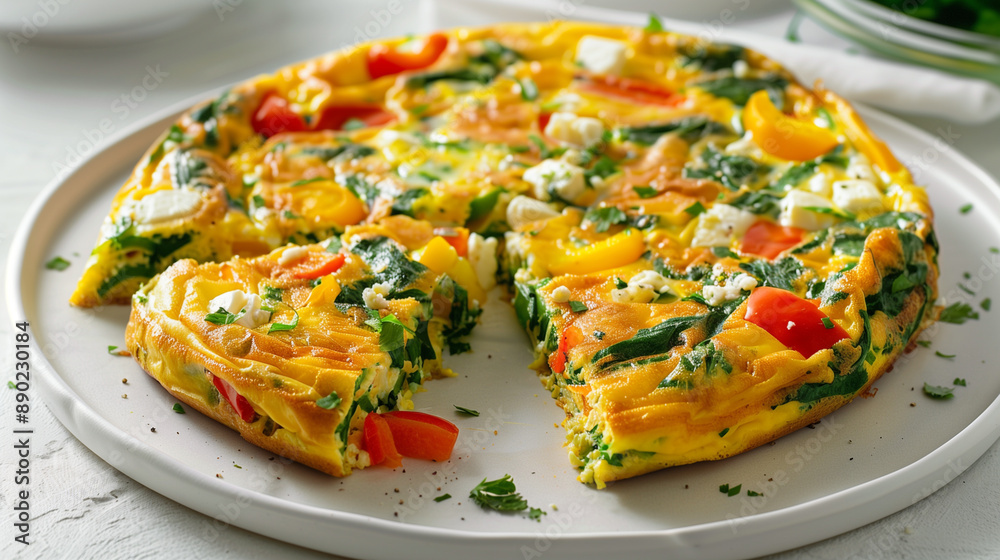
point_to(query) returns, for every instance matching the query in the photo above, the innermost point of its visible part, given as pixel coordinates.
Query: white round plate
(865, 461)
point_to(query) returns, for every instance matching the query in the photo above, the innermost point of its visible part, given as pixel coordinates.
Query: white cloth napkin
(893, 86)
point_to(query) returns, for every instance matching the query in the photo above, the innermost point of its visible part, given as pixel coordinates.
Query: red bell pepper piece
(239, 403)
(795, 322)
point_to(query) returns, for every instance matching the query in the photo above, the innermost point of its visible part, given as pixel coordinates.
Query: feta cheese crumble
(375, 296)
(574, 130)
(561, 294)
(601, 55)
(720, 224)
(523, 210)
(238, 301)
(717, 295)
(291, 255)
(483, 258)
(556, 177)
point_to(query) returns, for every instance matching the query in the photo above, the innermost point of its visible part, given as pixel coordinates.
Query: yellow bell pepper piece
(463, 273)
(325, 292)
(783, 136)
(438, 255)
(618, 250)
(323, 202)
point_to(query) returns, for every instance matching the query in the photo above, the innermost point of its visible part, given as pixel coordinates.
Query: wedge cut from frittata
(293, 349)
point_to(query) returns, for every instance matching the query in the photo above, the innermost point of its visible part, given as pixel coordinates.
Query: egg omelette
(704, 253)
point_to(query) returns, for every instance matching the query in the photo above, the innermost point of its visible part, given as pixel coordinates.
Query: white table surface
(53, 100)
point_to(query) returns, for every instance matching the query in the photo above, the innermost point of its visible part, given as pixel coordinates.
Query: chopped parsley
(654, 25)
(502, 495)
(724, 432)
(831, 211)
(965, 209)
(271, 293)
(723, 252)
(57, 263)
(577, 306)
(730, 491)
(276, 327)
(604, 218)
(330, 401)
(301, 182)
(223, 317)
(985, 304)
(695, 209)
(529, 90)
(10, 385)
(941, 354)
(753, 494)
(827, 323)
(111, 349)
(543, 150)
(464, 410)
(442, 497)
(179, 409)
(959, 382)
(645, 192)
(620, 284)
(289, 215)
(938, 392)
(924, 343)
(957, 313)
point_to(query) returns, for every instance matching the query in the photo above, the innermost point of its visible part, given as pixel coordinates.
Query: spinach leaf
(796, 174)
(732, 171)
(758, 203)
(365, 191)
(780, 274)
(347, 151)
(208, 116)
(461, 318)
(482, 68)
(187, 169)
(710, 57)
(851, 244)
(393, 266)
(739, 90)
(847, 384)
(646, 342)
(484, 204)
(127, 272)
(403, 204)
(899, 220)
(690, 129)
(812, 243)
